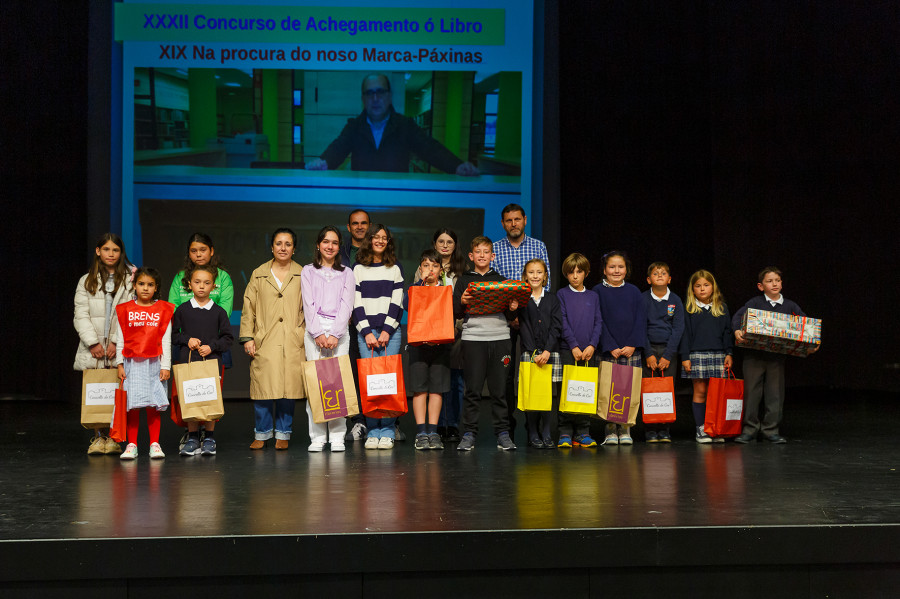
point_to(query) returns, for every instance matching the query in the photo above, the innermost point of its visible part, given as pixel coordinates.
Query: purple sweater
(582, 322)
(624, 317)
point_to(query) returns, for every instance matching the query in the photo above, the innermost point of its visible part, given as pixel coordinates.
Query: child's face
(379, 242)
(429, 271)
(109, 254)
(200, 253)
(445, 245)
(771, 285)
(659, 278)
(481, 256)
(201, 284)
(145, 288)
(534, 276)
(576, 278)
(329, 247)
(703, 290)
(615, 270)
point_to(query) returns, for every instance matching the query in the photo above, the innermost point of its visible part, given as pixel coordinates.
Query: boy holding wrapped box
(485, 347)
(764, 371)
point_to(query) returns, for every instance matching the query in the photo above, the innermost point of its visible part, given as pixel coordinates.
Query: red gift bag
(724, 407)
(430, 315)
(119, 425)
(382, 393)
(658, 399)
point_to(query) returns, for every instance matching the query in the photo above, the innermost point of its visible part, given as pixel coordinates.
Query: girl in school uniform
(624, 326)
(377, 310)
(540, 327)
(328, 287)
(106, 285)
(707, 342)
(143, 357)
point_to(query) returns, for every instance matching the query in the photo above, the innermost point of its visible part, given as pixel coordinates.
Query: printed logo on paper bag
(381, 384)
(581, 392)
(331, 389)
(620, 395)
(197, 390)
(659, 403)
(100, 394)
(733, 409)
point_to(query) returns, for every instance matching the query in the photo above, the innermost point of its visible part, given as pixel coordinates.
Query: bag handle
(729, 374)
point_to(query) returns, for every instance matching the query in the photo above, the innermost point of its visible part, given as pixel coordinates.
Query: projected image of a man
(381, 139)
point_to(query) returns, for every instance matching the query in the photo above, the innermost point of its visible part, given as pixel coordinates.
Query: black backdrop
(725, 136)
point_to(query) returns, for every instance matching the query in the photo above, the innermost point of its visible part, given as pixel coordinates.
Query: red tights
(134, 418)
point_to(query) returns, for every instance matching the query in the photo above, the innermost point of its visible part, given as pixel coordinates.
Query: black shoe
(776, 438)
(536, 443)
(452, 435)
(744, 438)
(442, 431)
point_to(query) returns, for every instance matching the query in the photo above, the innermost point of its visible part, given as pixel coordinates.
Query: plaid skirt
(556, 375)
(635, 361)
(705, 364)
(142, 384)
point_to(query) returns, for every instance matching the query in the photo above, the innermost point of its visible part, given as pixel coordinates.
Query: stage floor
(833, 487)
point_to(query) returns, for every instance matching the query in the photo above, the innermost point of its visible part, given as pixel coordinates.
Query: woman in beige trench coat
(272, 332)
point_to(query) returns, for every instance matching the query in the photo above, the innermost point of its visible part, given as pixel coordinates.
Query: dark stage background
(725, 136)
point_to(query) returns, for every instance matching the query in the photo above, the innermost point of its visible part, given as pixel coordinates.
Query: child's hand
(616, 353)
(663, 364)
(204, 350)
(728, 361)
(322, 341)
(193, 343)
(332, 342)
(466, 298)
(627, 351)
(651, 363)
(514, 305)
(687, 365)
(739, 336)
(577, 354)
(514, 323)
(815, 349)
(543, 358)
(383, 339)
(121, 371)
(97, 351)
(371, 341)
(588, 353)
(163, 375)
(111, 351)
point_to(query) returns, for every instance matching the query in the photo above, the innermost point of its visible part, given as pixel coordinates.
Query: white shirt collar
(704, 306)
(208, 305)
(660, 299)
(608, 284)
(774, 303)
(583, 289)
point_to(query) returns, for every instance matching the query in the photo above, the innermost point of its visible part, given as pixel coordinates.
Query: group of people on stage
(350, 301)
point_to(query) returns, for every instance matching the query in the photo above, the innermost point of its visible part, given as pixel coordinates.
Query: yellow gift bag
(579, 390)
(535, 387)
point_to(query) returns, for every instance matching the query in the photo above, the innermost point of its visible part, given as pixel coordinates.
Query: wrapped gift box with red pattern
(490, 297)
(781, 333)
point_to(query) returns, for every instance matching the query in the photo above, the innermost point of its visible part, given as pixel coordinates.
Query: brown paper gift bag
(329, 388)
(199, 390)
(619, 393)
(98, 396)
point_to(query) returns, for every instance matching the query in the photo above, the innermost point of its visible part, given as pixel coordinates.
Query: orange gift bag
(430, 316)
(381, 389)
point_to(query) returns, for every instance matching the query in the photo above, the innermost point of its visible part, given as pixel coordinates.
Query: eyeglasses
(383, 238)
(445, 242)
(379, 92)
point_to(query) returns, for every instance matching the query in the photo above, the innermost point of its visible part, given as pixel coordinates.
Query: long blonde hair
(717, 301)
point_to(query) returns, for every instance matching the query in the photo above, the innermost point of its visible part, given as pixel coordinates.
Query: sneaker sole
(577, 444)
(189, 453)
(208, 452)
(704, 441)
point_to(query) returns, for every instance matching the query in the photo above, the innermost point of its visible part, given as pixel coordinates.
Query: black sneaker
(505, 443)
(467, 443)
(208, 446)
(452, 435)
(421, 441)
(434, 441)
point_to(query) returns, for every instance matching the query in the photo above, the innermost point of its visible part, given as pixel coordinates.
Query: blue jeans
(452, 404)
(380, 427)
(284, 417)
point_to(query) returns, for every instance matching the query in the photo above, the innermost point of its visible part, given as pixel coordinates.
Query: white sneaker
(386, 443)
(156, 452)
(337, 447)
(372, 443)
(130, 452)
(315, 446)
(611, 439)
(702, 437)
